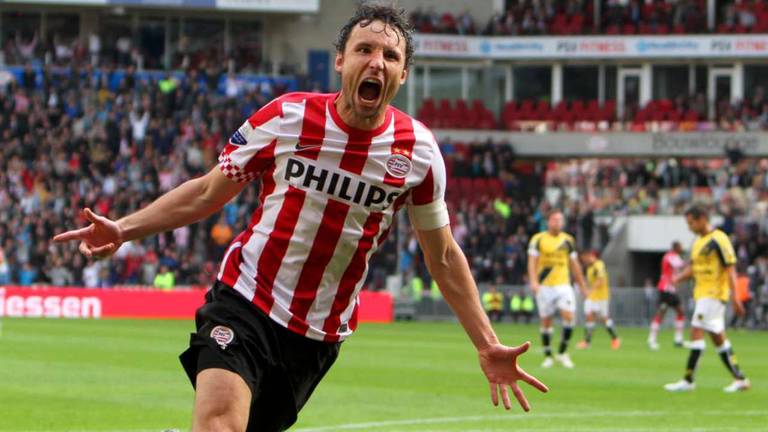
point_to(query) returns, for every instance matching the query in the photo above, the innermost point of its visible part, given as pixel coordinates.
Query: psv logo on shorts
(223, 336)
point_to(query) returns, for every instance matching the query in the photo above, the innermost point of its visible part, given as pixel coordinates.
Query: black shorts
(281, 368)
(670, 299)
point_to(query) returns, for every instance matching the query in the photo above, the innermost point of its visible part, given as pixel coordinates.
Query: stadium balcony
(685, 115)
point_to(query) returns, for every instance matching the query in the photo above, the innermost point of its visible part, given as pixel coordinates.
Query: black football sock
(693, 359)
(729, 360)
(546, 336)
(567, 331)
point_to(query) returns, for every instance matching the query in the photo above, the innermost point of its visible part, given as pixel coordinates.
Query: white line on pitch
(443, 420)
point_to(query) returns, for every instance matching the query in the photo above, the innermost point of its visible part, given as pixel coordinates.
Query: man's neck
(349, 117)
(554, 233)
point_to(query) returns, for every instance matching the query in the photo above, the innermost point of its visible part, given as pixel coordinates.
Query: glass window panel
(580, 83)
(445, 83)
(202, 43)
(246, 41)
(669, 82)
(532, 82)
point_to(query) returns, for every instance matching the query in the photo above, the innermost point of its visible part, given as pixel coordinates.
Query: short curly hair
(391, 16)
(697, 211)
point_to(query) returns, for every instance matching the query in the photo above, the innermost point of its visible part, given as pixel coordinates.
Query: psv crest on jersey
(223, 336)
(398, 166)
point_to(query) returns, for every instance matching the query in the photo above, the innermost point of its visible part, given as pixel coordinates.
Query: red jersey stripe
(353, 319)
(353, 273)
(425, 192)
(274, 251)
(262, 159)
(232, 266)
(320, 255)
(312, 128)
(266, 113)
(356, 152)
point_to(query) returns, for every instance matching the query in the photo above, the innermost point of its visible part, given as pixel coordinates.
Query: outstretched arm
(449, 267)
(188, 203)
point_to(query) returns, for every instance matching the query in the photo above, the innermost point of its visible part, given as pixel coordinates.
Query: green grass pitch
(120, 375)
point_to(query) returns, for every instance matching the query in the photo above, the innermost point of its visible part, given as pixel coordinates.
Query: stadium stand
(94, 120)
(75, 140)
(573, 17)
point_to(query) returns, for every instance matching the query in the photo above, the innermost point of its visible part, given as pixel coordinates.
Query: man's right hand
(535, 286)
(100, 239)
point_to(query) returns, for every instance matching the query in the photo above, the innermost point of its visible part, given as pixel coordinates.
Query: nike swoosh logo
(302, 146)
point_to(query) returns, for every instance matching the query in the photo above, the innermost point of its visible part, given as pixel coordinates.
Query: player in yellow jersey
(712, 268)
(552, 260)
(596, 304)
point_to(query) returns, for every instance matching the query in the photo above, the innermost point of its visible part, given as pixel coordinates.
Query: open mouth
(369, 90)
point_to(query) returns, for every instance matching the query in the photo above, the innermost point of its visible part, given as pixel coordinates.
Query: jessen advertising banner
(591, 47)
(79, 303)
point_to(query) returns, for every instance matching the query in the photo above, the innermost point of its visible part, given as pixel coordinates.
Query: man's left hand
(499, 363)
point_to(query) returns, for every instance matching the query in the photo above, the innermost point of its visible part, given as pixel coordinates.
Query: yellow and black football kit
(711, 255)
(554, 253)
(595, 272)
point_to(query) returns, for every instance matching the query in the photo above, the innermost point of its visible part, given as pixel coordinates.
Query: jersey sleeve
(725, 249)
(250, 150)
(600, 270)
(533, 245)
(571, 247)
(426, 202)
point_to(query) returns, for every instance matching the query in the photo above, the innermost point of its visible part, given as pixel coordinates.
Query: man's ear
(403, 76)
(338, 62)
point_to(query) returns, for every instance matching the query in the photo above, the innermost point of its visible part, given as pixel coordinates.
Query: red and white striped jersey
(329, 194)
(671, 264)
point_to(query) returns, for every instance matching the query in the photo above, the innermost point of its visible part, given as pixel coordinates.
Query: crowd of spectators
(567, 17)
(123, 49)
(70, 141)
(654, 17)
(734, 187)
(492, 225)
(527, 17)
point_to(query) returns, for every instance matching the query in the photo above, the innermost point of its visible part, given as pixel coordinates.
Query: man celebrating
(596, 305)
(712, 268)
(671, 264)
(335, 168)
(552, 259)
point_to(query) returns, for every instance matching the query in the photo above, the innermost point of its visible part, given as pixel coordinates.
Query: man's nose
(377, 60)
